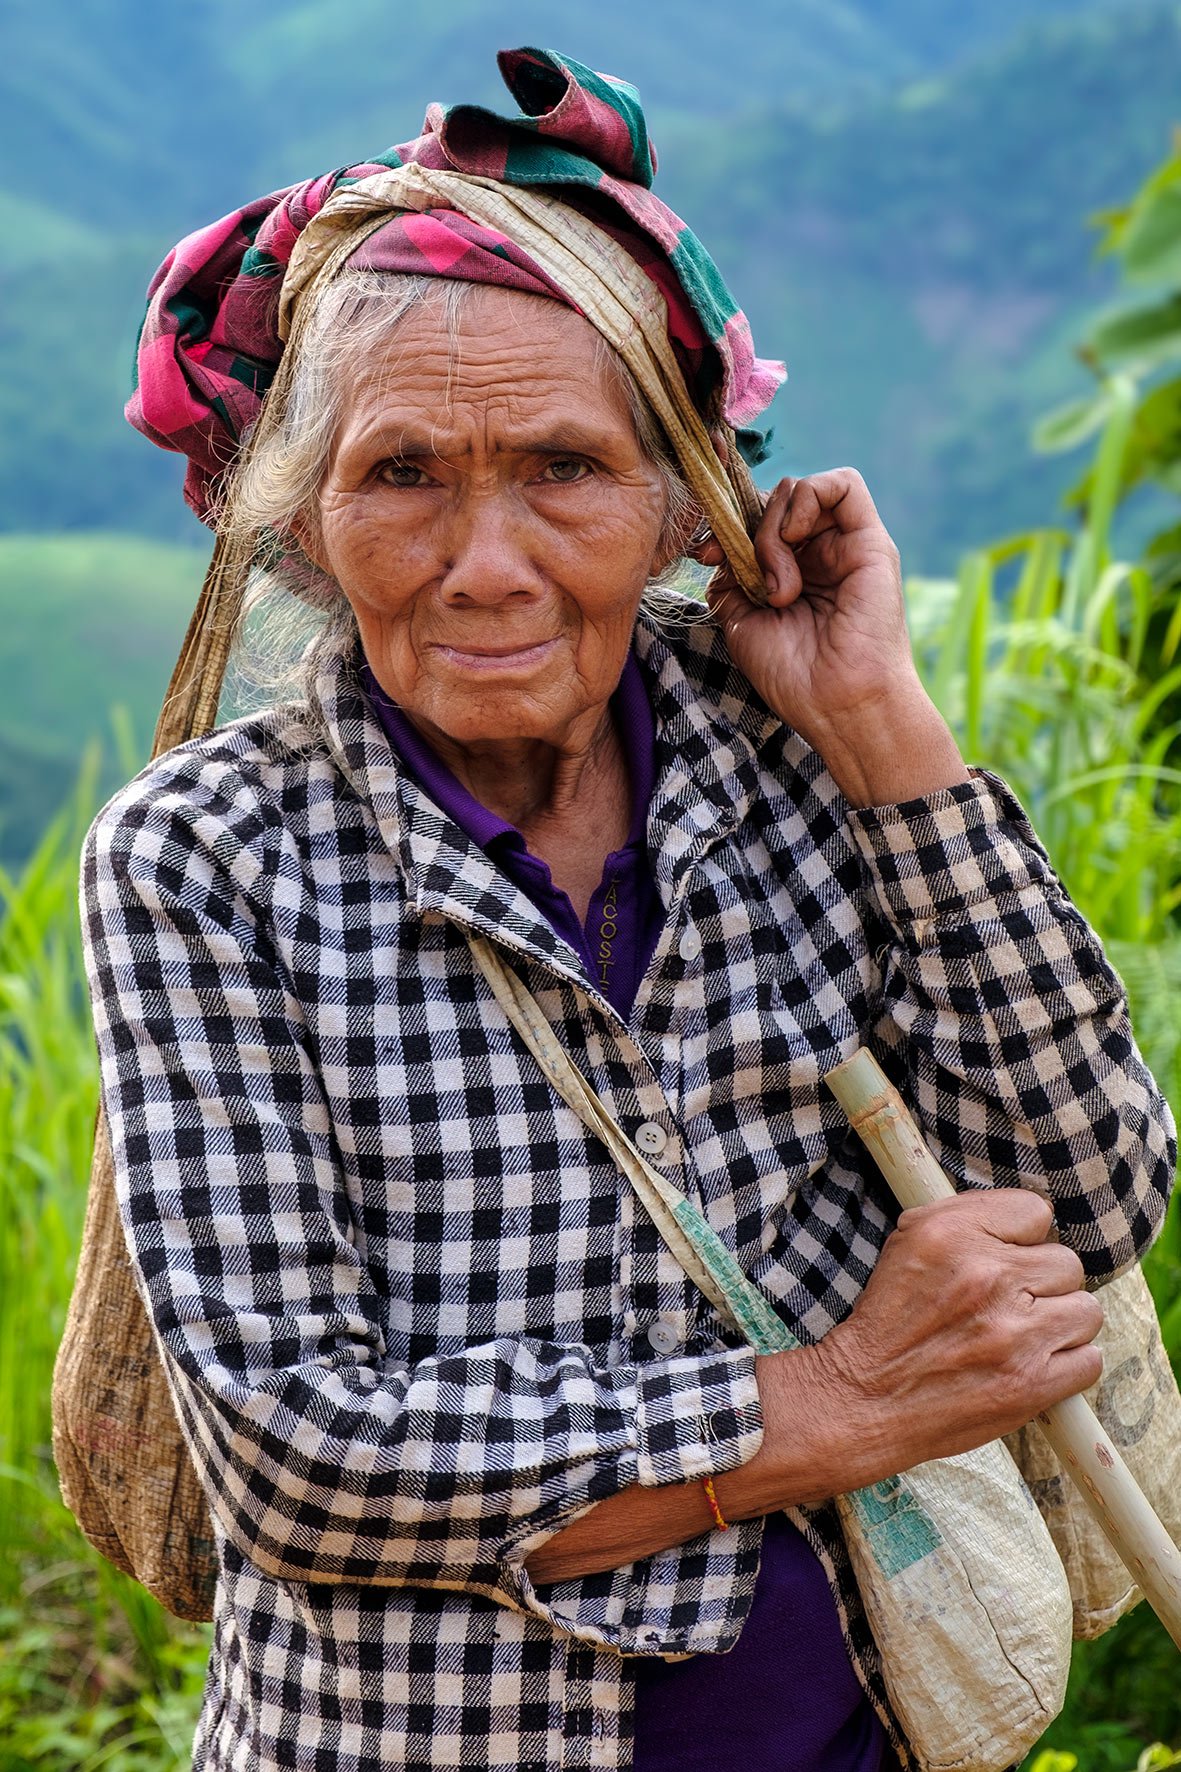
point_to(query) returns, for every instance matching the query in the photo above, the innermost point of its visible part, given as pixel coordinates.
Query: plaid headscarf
(210, 345)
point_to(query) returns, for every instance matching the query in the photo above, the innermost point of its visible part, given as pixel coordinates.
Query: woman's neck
(533, 783)
(570, 802)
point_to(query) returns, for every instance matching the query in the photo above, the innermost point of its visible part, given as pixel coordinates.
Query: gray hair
(295, 617)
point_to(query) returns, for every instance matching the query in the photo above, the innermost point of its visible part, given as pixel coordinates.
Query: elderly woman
(492, 1482)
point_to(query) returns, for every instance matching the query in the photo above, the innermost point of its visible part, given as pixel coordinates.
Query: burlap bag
(124, 1469)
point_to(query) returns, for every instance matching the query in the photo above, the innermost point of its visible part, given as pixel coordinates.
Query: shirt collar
(630, 707)
(709, 725)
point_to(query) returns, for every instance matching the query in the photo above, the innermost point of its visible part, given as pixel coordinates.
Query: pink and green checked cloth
(209, 345)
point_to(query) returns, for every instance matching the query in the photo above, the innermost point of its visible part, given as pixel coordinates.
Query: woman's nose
(487, 551)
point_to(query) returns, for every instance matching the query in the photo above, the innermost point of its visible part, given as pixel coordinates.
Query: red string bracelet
(720, 1520)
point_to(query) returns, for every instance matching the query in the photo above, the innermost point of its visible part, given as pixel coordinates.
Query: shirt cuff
(697, 1416)
(950, 851)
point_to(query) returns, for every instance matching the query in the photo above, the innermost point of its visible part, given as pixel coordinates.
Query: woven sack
(1138, 1403)
(124, 1469)
(123, 1466)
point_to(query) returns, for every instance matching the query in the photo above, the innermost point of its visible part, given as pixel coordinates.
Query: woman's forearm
(969, 1325)
(798, 1462)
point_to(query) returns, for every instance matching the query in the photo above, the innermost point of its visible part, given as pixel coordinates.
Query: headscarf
(211, 341)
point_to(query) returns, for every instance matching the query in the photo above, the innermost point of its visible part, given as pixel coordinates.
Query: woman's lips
(489, 659)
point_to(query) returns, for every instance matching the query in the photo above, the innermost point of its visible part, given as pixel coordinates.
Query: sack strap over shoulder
(698, 1248)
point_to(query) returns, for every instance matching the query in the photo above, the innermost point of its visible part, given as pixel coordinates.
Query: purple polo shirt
(625, 915)
(785, 1699)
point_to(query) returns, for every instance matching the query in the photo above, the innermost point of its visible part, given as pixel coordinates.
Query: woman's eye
(402, 473)
(567, 468)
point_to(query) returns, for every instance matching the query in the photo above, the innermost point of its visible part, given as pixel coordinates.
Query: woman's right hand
(970, 1324)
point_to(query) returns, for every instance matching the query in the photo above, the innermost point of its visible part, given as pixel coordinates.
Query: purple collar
(625, 914)
(637, 729)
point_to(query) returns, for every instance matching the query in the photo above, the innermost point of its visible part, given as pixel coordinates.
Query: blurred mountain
(895, 189)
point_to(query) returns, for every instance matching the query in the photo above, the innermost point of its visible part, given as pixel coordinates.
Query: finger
(1073, 1370)
(814, 529)
(1051, 1271)
(823, 559)
(1013, 1215)
(781, 572)
(1082, 1317)
(1068, 1322)
(838, 498)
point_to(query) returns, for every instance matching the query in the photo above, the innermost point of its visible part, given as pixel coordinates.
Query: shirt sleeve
(1007, 1026)
(323, 1458)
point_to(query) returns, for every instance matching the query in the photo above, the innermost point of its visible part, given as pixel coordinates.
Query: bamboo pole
(883, 1122)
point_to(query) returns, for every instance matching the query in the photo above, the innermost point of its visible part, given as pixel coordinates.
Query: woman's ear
(685, 540)
(305, 532)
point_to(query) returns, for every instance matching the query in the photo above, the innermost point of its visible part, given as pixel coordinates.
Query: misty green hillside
(896, 192)
(895, 189)
(90, 626)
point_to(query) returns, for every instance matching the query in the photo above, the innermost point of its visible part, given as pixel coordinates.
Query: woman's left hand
(830, 654)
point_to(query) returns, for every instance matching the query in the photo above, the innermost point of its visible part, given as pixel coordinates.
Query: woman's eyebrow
(574, 438)
(555, 439)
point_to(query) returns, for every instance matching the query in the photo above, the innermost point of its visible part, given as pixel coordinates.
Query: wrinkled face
(490, 517)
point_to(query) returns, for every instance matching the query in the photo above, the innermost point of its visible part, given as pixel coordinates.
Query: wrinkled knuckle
(1005, 1347)
(1072, 1269)
(979, 1285)
(1032, 1213)
(937, 1246)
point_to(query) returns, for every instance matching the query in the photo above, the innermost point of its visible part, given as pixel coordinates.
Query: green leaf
(1140, 338)
(1151, 243)
(1156, 1758)
(1068, 426)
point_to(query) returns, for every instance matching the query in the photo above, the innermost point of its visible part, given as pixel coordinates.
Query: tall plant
(1057, 657)
(1134, 355)
(92, 1673)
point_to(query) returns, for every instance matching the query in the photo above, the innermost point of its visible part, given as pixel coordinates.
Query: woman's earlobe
(306, 533)
(704, 547)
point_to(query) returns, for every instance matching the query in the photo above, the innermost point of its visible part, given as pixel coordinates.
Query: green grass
(90, 626)
(92, 1673)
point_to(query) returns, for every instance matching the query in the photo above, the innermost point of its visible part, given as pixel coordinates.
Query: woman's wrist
(814, 1446)
(899, 748)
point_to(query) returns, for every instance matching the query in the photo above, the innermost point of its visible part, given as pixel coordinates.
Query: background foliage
(929, 249)
(894, 188)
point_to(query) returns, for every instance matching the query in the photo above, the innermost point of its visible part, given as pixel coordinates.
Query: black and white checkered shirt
(402, 1296)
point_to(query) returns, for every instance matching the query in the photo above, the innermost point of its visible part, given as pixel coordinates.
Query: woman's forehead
(533, 370)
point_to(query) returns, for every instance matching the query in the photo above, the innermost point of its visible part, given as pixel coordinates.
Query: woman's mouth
(490, 659)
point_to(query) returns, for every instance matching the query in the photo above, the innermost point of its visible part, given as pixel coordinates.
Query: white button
(663, 1337)
(651, 1139)
(690, 945)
